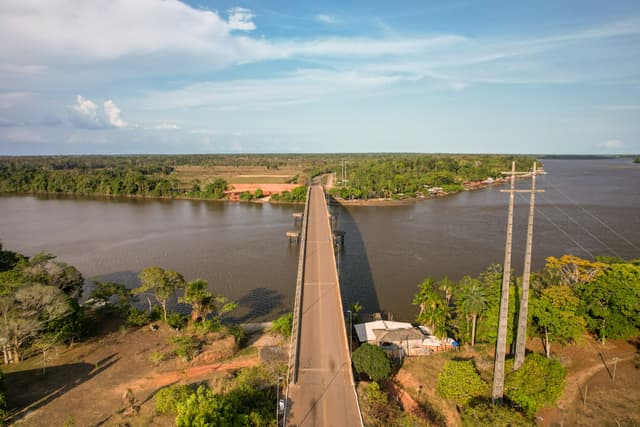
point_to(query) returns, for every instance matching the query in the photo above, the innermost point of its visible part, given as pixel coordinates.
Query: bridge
(321, 389)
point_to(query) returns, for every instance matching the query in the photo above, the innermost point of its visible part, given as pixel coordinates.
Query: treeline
(636, 160)
(398, 175)
(569, 296)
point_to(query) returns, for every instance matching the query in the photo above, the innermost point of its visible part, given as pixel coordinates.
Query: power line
(584, 229)
(620, 236)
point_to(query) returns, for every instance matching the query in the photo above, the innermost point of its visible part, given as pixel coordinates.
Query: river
(589, 207)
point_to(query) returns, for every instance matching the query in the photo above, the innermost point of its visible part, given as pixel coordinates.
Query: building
(400, 339)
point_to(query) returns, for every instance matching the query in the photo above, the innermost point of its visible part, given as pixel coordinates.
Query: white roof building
(366, 331)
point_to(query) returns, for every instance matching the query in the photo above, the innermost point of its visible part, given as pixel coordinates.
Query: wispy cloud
(241, 19)
(327, 19)
(611, 144)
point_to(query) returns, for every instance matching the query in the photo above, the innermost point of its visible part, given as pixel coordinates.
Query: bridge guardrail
(292, 374)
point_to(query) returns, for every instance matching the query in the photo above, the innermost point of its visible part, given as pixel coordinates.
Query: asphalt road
(324, 394)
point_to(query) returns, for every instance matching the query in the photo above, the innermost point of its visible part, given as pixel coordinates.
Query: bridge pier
(293, 237)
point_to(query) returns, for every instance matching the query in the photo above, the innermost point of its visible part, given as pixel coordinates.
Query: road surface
(324, 394)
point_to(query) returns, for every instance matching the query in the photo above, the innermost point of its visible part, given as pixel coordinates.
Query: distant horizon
(219, 76)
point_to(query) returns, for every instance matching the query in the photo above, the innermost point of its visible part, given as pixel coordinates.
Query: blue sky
(152, 76)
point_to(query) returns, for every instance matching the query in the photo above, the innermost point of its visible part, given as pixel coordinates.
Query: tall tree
(472, 302)
(446, 286)
(161, 284)
(433, 307)
(555, 316)
(203, 302)
(28, 311)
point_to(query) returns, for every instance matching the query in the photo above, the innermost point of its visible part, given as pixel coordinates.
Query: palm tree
(446, 286)
(472, 302)
(433, 307)
(204, 302)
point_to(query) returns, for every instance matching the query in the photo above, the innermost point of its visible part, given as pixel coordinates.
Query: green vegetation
(283, 325)
(372, 361)
(248, 401)
(399, 175)
(379, 410)
(298, 194)
(459, 380)
(187, 347)
(636, 160)
(38, 304)
(484, 413)
(537, 384)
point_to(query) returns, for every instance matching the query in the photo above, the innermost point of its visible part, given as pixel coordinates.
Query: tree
(611, 303)
(446, 286)
(161, 284)
(471, 302)
(204, 303)
(197, 294)
(539, 383)
(43, 269)
(555, 316)
(372, 361)
(572, 270)
(106, 290)
(433, 307)
(28, 311)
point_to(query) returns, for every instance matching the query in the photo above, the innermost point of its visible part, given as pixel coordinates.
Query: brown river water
(590, 207)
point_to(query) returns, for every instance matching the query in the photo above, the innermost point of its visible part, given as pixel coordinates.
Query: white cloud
(327, 19)
(167, 126)
(241, 19)
(611, 144)
(301, 86)
(86, 114)
(69, 31)
(112, 114)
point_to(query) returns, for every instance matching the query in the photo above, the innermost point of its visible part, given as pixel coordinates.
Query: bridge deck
(324, 394)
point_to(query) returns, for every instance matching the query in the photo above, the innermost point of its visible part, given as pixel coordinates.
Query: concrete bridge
(321, 389)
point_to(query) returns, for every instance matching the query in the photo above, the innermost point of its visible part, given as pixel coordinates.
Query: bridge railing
(292, 374)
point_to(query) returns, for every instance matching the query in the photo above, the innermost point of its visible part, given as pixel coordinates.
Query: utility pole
(498, 368)
(521, 338)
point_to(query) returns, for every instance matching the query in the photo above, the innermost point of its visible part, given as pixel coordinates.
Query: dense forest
(359, 176)
(404, 175)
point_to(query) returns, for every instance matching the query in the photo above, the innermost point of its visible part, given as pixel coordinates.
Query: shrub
(283, 325)
(484, 413)
(177, 320)
(168, 398)
(372, 361)
(137, 317)
(239, 333)
(156, 357)
(206, 326)
(459, 380)
(188, 347)
(537, 384)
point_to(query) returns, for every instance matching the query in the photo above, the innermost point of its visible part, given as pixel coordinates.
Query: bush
(459, 380)
(484, 413)
(156, 357)
(168, 398)
(137, 317)
(372, 361)
(177, 320)
(239, 333)
(206, 326)
(283, 325)
(537, 384)
(188, 347)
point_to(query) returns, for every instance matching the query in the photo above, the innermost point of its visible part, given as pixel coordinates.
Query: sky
(199, 76)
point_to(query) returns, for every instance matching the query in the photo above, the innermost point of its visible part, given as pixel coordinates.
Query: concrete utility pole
(521, 338)
(498, 369)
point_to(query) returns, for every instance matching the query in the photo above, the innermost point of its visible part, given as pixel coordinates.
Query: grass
(238, 175)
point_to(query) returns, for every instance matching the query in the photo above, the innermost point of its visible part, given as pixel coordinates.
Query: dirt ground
(233, 175)
(84, 385)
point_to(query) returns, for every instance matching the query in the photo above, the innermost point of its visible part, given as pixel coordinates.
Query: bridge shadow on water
(356, 280)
